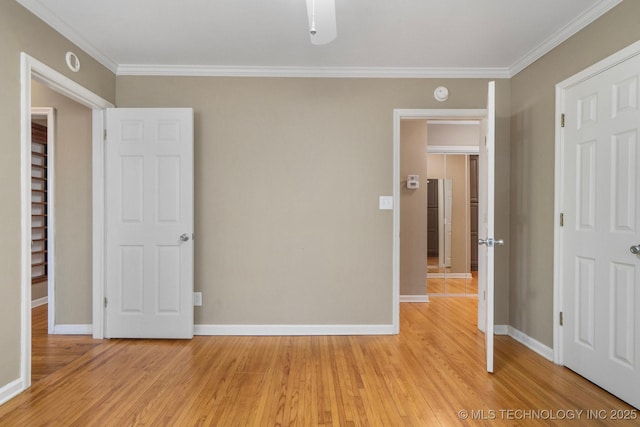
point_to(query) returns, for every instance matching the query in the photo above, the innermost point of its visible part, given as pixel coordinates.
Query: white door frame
(561, 88)
(48, 114)
(413, 114)
(31, 68)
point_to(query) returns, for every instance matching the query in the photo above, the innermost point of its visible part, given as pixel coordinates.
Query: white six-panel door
(600, 275)
(149, 217)
(486, 197)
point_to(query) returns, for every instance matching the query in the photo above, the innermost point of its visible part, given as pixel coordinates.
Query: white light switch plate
(197, 299)
(386, 203)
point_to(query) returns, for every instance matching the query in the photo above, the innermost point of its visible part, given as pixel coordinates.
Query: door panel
(486, 166)
(149, 169)
(601, 277)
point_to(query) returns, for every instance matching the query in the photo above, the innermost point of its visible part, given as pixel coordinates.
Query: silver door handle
(184, 237)
(491, 242)
(635, 249)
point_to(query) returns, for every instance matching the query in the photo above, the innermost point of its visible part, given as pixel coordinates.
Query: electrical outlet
(197, 299)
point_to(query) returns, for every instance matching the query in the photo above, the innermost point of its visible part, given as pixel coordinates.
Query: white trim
(611, 61)
(324, 72)
(414, 298)
(453, 295)
(577, 24)
(454, 122)
(557, 230)
(286, 330)
(601, 66)
(25, 220)
(73, 330)
(453, 149)
(451, 114)
(31, 68)
(39, 9)
(98, 221)
(449, 275)
(10, 390)
(49, 114)
(38, 302)
(524, 339)
(412, 114)
(501, 329)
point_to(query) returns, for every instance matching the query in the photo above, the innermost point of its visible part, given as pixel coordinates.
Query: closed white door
(486, 240)
(600, 274)
(149, 217)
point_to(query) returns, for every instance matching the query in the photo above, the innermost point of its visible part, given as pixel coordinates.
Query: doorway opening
(42, 206)
(452, 207)
(32, 69)
(400, 188)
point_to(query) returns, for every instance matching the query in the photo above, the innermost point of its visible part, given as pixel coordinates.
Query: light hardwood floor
(52, 352)
(424, 376)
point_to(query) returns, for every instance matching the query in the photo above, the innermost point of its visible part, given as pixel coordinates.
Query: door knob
(635, 249)
(491, 242)
(184, 237)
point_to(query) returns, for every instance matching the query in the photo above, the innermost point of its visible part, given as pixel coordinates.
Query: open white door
(149, 218)
(486, 241)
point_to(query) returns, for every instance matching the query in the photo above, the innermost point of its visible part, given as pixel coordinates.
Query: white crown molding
(51, 19)
(37, 8)
(577, 24)
(328, 72)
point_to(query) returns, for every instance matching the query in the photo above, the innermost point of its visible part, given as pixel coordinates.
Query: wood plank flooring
(52, 352)
(424, 376)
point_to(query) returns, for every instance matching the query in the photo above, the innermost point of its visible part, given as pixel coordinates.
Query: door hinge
(562, 220)
(105, 134)
(562, 120)
(561, 319)
(105, 302)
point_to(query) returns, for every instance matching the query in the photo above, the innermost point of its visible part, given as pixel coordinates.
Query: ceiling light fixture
(322, 21)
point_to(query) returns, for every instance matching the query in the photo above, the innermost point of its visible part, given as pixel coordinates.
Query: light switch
(386, 203)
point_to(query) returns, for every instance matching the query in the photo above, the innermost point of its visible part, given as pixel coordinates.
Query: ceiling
(395, 38)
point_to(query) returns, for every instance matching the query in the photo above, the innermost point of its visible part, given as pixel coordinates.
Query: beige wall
(413, 208)
(532, 163)
(72, 205)
(454, 135)
(21, 31)
(288, 174)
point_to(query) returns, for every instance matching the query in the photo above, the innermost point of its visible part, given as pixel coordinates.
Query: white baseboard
(40, 301)
(11, 390)
(526, 340)
(414, 298)
(501, 329)
(449, 275)
(73, 330)
(270, 330)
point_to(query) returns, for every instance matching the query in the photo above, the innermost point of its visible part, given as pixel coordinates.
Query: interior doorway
(62, 211)
(32, 69)
(401, 193)
(42, 205)
(452, 222)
